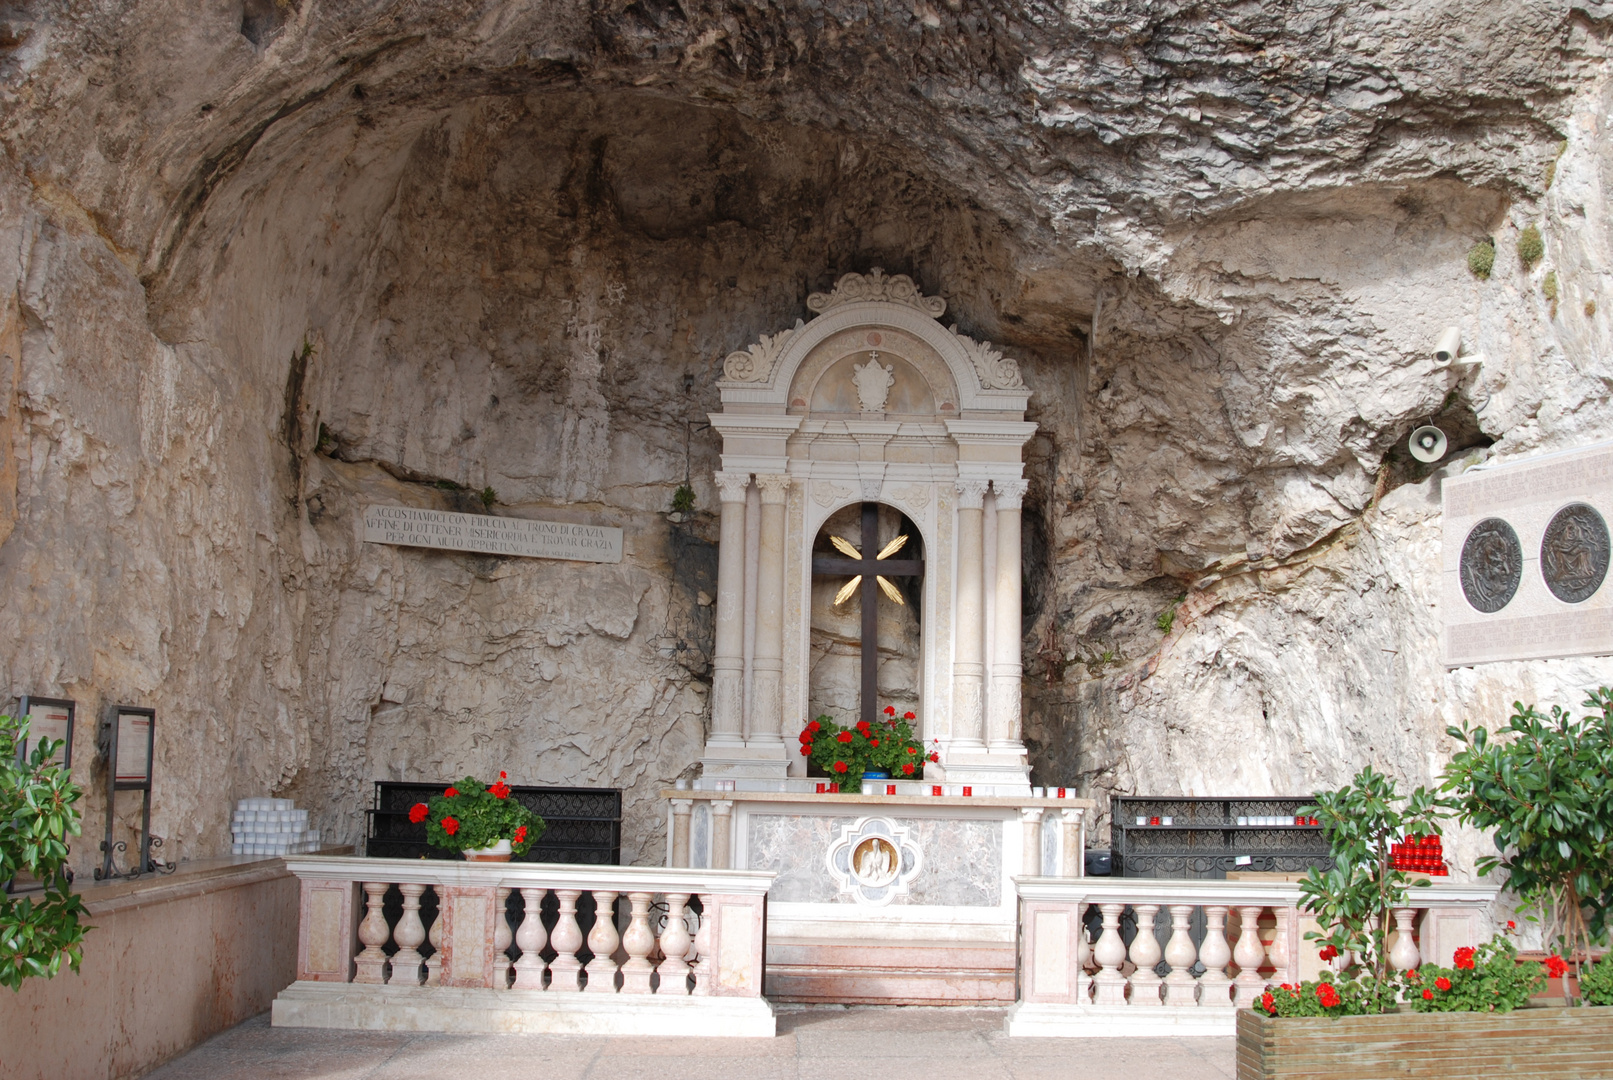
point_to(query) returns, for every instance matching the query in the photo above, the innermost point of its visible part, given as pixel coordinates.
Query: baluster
(1403, 954)
(501, 940)
(1144, 955)
(1181, 954)
(638, 941)
(602, 942)
(531, 937)
(674, 968)
(410, 933)
(1214, 954)
(1278, 951)
(1110, 953)
(705, 966)
(566, 940)
(434, 961)
(1250, 955)
(373, 932)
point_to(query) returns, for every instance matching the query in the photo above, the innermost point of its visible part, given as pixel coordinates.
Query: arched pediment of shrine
(874, 400)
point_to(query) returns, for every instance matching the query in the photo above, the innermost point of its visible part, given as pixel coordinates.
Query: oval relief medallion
(1574, 553)
(1492, 565)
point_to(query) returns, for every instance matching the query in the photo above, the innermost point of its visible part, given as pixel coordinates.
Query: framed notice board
(48, 718)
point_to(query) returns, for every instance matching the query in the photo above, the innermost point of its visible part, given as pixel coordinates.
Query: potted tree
(1537, 783)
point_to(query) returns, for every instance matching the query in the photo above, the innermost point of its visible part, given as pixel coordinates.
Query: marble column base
(728, 762)
(1007, 770)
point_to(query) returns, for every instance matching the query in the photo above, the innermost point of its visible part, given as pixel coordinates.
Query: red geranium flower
(1328, 952)
(890, 710)
(907, 770)
(873, 742)
(1412, 976)
(450, 826)
(806, 751)
(500, 790)
(840, 766)
(1268, 1003)
(814, 727)
(844, 736)
(912, 749)
(1464, 959)
(864, 727)
(1328, 996)
(909, 716)
(418, 812)
(1428, 995)
(1443, 983)
(501, 775)
(451, 792)
(935, 757)
(1511, 925)
(1556, 966)
(520, 833)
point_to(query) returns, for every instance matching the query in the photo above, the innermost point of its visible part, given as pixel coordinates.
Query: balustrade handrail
(517, 875)
(1098, 890)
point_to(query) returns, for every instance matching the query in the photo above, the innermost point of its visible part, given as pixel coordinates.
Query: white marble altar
(872, 401)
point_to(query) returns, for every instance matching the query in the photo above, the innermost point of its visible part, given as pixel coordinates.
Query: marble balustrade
(1213, 948)
(653, 933)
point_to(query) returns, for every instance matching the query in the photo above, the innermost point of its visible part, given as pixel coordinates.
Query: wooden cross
(874, 572)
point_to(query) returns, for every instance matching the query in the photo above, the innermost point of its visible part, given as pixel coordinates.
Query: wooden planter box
(1529, 1044)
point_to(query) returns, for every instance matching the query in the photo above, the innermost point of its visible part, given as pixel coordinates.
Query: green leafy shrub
(1355, 898)
(1530, 247)
(1542, 787)
(470, 815)
(1481, 259)
(1325, 996)
(1486, 979)
(38, 933)
(683, 499)
(1548, 287)
(1596, 982)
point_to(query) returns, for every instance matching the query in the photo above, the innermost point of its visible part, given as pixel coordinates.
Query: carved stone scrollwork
(875, 285)
(826, 493)
(773, 486)
(971, 493)
(731, 486)
(996, 371)
(755, 364)
(1010, 493)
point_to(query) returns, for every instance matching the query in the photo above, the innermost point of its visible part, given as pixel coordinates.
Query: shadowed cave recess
(269, 264)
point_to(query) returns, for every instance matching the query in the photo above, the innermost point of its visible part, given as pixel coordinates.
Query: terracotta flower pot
(499, 852)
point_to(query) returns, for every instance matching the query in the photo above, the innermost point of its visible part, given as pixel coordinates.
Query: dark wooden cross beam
(869, 567)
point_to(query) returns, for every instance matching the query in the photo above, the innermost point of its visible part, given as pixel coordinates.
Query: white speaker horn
(1448, 345)
(1427, 444)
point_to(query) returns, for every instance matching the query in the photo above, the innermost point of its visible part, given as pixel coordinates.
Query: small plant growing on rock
(1481, 259)
(683, 499)
(489, 496)
(1530, 247)
(1590, 308)
(1548, 288)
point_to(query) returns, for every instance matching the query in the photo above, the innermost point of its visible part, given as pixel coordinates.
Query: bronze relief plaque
(1491, 566)
(1574, 553)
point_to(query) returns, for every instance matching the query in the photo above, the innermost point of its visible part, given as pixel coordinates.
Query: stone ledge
(1051, 1020)
(522, 1012)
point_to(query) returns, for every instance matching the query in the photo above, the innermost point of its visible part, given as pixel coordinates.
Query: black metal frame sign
(26, 706)
(129, 740)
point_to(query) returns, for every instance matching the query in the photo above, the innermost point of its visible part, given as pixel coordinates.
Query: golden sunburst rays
(885, 586)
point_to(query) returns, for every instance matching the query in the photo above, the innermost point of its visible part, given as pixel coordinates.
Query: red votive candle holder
(968, 791)
(834, 789)
(890, 789)
(1153, 821)
(935, 789)
(1061, 794)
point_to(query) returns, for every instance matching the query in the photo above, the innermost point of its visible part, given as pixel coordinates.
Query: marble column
(1030, 824)
(722, 833)
(768, 671)
(728, 661)
(1003, 722)
(969, 667)
(680, 831)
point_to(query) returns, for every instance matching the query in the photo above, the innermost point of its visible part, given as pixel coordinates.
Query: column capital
(1031, 813)
(774, 486)
(681, 806)
(1073, 814)
(1010, 493)
(971, 494)
(731, 485)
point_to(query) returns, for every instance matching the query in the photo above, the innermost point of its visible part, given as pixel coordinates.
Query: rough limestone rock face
(267, 262)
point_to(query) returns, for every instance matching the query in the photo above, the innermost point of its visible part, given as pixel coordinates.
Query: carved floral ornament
(755, 364)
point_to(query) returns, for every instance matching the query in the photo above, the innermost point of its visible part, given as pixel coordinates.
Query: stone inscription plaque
(1526, 559)
(408, 526)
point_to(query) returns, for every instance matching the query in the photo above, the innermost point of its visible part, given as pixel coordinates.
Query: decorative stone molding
(731, 486)
(1010, 493)
(755, 364)
(916, 496)
(874, 859)
(873, 381)
(826, 493)
(773, 487)
(872, 486)
(996, 371)
(875, 285)
(971, 494)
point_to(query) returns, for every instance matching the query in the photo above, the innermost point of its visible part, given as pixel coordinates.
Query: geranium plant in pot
(479, 820)
(846, 754)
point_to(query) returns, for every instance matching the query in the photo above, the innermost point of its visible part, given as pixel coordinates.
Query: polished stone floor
(819, 1043)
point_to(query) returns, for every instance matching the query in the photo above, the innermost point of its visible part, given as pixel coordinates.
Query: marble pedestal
(896, 899)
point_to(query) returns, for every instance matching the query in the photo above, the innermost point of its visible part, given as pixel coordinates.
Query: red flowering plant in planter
(1318, 997)
(845, 753)
(469, 816)
(1484, 979)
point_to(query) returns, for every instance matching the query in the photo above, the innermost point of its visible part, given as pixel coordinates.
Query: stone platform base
(865, 973)
(525, 1012)
(1122, 1021)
